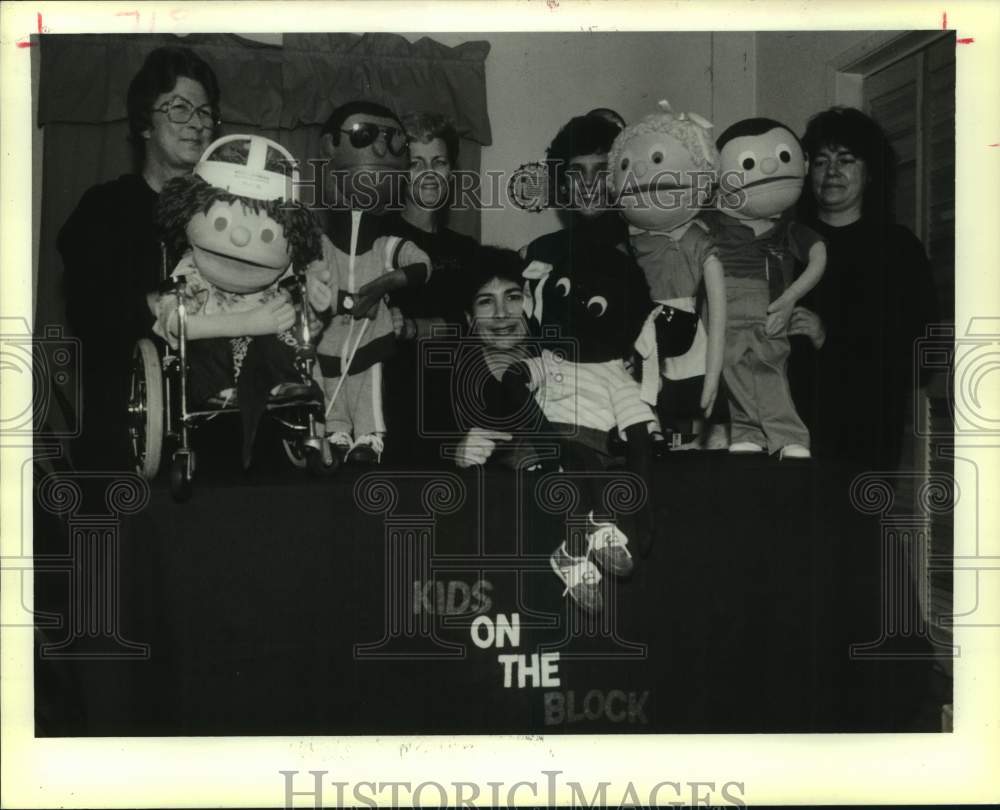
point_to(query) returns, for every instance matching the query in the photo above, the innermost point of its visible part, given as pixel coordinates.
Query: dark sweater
(110, 248)
(875, 299)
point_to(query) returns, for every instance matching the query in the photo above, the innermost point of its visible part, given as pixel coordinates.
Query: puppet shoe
(745, 447)
(366, 450)
(609, 547)
(794, 451)
(340, 446)
(581, 578)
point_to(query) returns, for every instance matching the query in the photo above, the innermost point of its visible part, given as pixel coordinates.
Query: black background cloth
(279, 606)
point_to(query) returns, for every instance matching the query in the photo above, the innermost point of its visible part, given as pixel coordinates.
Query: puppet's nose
(769, 165)
(240, 236)
(639, 168)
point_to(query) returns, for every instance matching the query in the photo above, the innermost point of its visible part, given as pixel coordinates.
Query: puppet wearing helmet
(763, 169)
(238, 231)
(663, 170)
(368, 160)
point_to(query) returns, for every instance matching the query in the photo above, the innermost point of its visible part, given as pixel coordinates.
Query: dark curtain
(285, 93)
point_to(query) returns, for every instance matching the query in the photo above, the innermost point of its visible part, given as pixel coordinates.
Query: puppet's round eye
(747, 160)
(783, 152)
(656, 157)
(563, 286)
(267, 236)
(597, 306)
(221, 223)
(624, 163)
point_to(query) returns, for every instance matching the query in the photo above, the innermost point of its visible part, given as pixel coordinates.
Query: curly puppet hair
(183, 197)
(690, 130)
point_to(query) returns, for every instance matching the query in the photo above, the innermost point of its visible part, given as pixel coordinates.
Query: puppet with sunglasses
(368, 162)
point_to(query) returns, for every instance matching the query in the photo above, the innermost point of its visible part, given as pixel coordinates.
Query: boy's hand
(318, 289)
(271, 318)
(779, 313)
(709, 391)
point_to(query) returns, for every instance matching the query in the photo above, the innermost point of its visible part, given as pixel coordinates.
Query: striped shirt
(594, 395)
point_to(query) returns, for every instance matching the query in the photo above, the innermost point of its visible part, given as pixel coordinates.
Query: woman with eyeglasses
(110, 245)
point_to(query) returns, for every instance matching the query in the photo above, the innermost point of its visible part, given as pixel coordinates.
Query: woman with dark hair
(110, 245)
(496, 326)
(876, 298)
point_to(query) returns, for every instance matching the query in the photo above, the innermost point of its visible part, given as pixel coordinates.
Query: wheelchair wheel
(295, 452)
(181, 475)
(145, 409)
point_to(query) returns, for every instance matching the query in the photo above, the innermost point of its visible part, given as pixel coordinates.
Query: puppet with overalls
(239, 231)
(763, 169)
(368, 162)
(663, 169)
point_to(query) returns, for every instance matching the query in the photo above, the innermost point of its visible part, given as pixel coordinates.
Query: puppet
(663, 169)
(763, 168)
(585, 396)
(238, 229)
(368, 159)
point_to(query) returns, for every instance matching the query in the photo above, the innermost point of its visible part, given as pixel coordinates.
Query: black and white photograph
(399, 386)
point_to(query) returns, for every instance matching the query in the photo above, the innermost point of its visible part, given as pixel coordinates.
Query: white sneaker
(581, 578)
(745, 447)
(794, 451)
(340, 445)
(609, 546)
(367, 449)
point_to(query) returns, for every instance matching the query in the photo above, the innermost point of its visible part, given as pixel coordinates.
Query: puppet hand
(272, 318)
(318, 290)
(478, 446)
(709, 391)
(806, 322)
(777, 319)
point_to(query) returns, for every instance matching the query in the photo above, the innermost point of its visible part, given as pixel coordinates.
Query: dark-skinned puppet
(594, 315)
(238, 229)
(368, 159)
(762, 171)
(663, 170)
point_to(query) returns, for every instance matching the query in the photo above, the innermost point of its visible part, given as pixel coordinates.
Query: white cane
(346, 366)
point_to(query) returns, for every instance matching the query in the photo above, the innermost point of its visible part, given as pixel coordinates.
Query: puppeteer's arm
(414, 267)
(715, 287)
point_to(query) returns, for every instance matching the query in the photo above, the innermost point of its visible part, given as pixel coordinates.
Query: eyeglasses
(180, 111)
(365, 133)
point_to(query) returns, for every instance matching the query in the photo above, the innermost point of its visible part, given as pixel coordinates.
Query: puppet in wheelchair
(232, 320)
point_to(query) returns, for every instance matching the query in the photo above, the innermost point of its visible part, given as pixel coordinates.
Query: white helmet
(250, 166)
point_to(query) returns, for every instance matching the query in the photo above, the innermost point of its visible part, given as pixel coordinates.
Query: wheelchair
(160, 414)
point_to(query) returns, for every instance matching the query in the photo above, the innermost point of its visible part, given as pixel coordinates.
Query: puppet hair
(692, 131)
(749, 127)
(182, 197)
